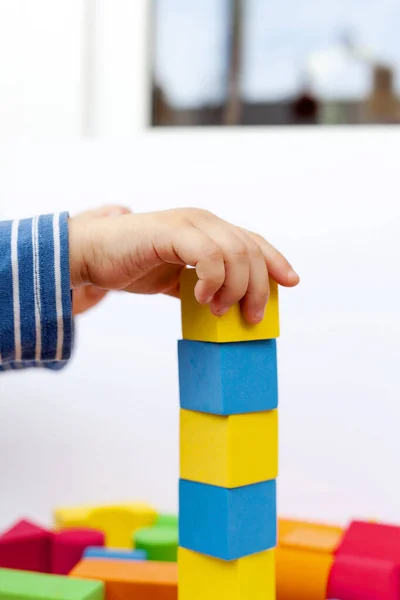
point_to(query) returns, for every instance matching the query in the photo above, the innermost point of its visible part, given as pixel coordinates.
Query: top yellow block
(198, 323)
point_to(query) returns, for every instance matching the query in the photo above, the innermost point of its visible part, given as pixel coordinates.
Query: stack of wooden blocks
(228, 451)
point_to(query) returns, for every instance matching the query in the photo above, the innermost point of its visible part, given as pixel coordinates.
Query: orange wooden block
(315, 537)
(301, 574)
(129, 579)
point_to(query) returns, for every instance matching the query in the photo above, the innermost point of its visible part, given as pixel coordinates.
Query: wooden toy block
(68, 547)
(227, 523)
(302, 575)
(205, 578)
(128, 579)
(304, 535)
(199, 324)
(26, 546)
(228, 379)
(23, 585)
(371, 540)
(118, 522)
(71, 518)
(354, 578)
(159, 542)
(168, 520)
(114, 554)
(230, 451)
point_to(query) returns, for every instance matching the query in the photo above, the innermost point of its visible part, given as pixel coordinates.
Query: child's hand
(145, 253)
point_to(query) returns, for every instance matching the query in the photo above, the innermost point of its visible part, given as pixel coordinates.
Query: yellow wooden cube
(198, 323)
(229, 451)
(202, 577)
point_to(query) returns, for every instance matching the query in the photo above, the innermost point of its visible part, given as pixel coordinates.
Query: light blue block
(110, 553)
(228, 379)
(227, 523)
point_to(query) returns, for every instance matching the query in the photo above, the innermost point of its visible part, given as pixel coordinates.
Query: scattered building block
(22, 585)
(114, 554)
(168, 520)
(128, 579)
(303, 535)
(230, 523)
(71, 518)
(68, 547)
(301, 574)
(206, 578)
(228, 379)
(118, 521)
(371, 540)
(159, 542)
(26, 546)
(229, 451)
(198, 323)
(355, 578)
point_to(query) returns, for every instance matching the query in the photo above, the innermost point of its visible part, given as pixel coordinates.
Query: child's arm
(35, 296)
(42, 259)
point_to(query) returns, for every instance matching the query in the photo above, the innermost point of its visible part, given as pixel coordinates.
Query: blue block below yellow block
(227, 523)
(228, 379)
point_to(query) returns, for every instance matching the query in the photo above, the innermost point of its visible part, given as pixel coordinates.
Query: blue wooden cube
(227, 523)
(228, 379)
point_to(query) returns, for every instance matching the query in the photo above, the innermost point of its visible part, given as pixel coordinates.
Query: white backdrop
(106, 428)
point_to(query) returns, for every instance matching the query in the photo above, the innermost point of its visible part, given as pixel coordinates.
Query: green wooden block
(168, 520)
(23, 585)
(160, 542)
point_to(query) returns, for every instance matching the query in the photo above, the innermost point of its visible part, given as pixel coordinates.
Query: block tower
(228, 451)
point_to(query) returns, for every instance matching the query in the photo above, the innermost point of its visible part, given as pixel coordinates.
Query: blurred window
(254, 62)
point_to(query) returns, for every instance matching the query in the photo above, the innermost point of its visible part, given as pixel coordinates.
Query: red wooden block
(354, 578)
(371, 540)
(27, 547)
(69, 545)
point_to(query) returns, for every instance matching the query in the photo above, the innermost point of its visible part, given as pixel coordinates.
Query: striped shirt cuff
(35, 297)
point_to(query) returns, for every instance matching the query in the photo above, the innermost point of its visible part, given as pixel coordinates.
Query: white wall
(73, 67)
(106, 428)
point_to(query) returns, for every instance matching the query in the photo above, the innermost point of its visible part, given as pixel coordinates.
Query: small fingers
(237, 268)
(257, 293)
(197, 249)
(278, 266)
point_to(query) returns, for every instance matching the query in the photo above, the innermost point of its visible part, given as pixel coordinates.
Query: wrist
(78, 272)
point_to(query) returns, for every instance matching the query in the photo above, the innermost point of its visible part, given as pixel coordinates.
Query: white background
(106, 428)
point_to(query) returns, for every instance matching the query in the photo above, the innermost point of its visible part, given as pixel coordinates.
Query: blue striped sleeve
(35, 298)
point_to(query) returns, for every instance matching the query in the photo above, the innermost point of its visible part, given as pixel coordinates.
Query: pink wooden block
(27, 547)
(69, 545)
(355, 578)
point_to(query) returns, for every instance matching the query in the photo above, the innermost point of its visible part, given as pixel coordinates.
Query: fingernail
(223, 310)
(208, 299)
(259, 315)
(293, 276)
(115, 212)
